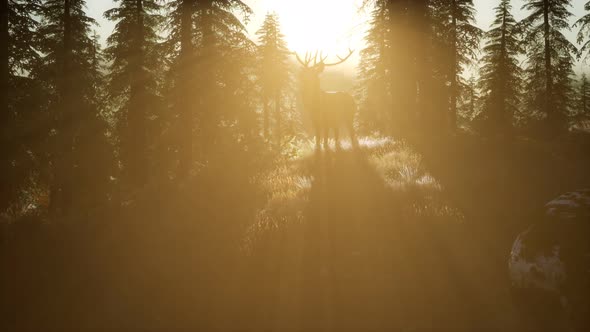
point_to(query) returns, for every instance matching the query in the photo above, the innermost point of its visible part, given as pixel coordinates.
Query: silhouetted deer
(328, 110)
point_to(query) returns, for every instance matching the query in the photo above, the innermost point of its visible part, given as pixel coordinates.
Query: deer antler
(322, 57)
(341, 60)
(309, 57)
(304, 63)
(315, 58)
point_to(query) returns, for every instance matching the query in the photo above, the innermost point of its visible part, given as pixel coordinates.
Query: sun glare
(331, 26)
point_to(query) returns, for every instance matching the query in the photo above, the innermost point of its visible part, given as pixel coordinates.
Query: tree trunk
(416, 12)
(265, 117)
(453, 71)
(551, 115)
(584, 97)
(136, 133)
(4, 66)
(5, 153)
(279, 125)
(208, 117)
(422, 72)
(185, 104)
(63, 159)
(396, 38)
(501, 107)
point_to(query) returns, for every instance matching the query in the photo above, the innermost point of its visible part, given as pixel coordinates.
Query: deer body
(329, 111)
(332, 112)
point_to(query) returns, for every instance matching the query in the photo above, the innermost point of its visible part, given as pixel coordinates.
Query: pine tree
(454, 20)
(470, 99)
(180, 45)
(501, 75)
(274, 72)
(584, 24)
(94, 150)
(67, 70)
(550, 61)
(132, 82)
(374, 69)
(4, 59)
(583, 107)
(421, 18)
(224, 61)
(398, 66)
(17, 56)
(401, 65)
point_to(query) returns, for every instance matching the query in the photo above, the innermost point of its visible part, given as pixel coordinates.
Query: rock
(551, 259)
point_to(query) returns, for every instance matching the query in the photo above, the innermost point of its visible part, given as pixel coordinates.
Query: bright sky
(332, 25)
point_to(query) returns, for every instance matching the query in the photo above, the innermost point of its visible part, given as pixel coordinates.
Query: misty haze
(312, 165)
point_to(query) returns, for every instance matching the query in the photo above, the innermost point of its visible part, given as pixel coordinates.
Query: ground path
(384, 246)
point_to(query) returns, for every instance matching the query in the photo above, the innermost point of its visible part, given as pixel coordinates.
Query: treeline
(180, 87)
(177, 87)
(413, 71)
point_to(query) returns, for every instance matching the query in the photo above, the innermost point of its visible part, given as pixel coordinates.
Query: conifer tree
(583, 98)
(402, 80)
(470, 99)
(4, 63)
(550, 61)
(421, 19)
(224, 61)
(17, 53)
(374, 69)
(273, 72)
(69, 74)
(180, 47)
(501, 75)
(95, 162)
(132, 82)
(17, 56)
(584, 25)
(460, 37)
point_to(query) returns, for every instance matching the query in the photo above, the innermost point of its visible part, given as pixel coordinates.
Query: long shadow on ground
(369, 265)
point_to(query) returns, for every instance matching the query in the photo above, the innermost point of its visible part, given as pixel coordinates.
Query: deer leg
(318, 137)
(353, 140)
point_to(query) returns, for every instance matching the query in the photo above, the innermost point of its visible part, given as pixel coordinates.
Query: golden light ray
(331, 26)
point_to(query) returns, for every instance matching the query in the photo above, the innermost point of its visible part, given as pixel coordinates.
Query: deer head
(313, 66)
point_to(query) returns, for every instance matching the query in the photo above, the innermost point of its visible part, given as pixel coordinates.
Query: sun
(330, 26)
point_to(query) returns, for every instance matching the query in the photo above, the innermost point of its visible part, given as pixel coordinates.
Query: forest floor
(374, 244)
(399, 236)
(386, 236)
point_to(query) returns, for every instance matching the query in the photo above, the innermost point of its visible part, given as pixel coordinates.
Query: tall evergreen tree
(583, 99)
(550, 60)
(396, 72)
(454, 20)
(69, 73)
(501, 75)
(17, 55)
(374, 69)
(421, 20)
(180, 46)
(132, 82)
(584, 25)
(95, 165)
(273, 71)
(396, 78)
(401, 65)
(5, 65)
(224, 56)
(470, 99)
